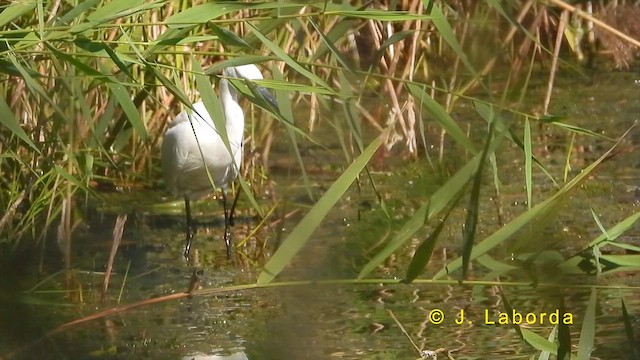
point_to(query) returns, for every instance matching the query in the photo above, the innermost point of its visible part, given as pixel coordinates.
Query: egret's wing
(169, 160)
(179, 119)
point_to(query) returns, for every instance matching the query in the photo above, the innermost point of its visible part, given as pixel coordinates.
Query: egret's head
(251, 72)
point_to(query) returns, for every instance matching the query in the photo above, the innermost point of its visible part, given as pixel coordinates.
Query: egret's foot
(227, 242)
(187, 246)
(196, 279)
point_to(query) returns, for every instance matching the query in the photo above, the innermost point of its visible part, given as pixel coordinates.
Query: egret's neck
(227, 92)
(234, 117)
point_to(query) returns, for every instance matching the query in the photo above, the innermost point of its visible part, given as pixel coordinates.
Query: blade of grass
(447, 33)
(528, 156)
(229, 38)
(305, 228)
(75, 11)
(282, 55)
(504, 233)
(200, 14)
(446, 194)
(333, 36)
(10, 122)
(133, 115)
(286, 110)
(33, 84)
(599, 223)
(564, 335)
(441, 116)
(423, 253)
(16, 9)
(587, 333)
(112, 10)
(334, 51)
(473, 209)
(545, 355)
(538, 341)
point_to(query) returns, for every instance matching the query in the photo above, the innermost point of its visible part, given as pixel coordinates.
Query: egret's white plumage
(193, 142)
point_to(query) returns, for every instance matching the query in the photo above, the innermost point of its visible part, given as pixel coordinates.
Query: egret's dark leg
(233, 207)
(228, 220)
(190, 228)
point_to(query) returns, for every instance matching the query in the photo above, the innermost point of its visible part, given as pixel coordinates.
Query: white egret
(193, 149)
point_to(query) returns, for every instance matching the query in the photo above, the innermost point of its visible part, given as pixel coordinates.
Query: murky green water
(342, 321)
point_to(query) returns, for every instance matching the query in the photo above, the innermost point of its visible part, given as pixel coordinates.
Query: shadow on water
(316, 320)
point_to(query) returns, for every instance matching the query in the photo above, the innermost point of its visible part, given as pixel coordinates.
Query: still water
(313, 317)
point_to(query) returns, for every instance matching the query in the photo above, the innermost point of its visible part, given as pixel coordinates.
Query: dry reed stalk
(118, 229)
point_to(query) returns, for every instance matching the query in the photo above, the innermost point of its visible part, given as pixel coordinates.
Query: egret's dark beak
(267, 96)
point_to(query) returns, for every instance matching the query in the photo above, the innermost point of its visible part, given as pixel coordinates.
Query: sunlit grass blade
(211, 102)
(228, 38)
(544, 354)
(486, 111)
(200, 14)
(445, 195)
(173, 88)
(391, 40)
(587, 333)
(596, 218)
(249, 91)
(581, 131)
(133, 115)
(495, 265)
(305, 228)
(9, 121)
(71, 179)
(16, 9)
(168, 38)
(617, 230)
(327, 42)
(351, 116)
(333, 36)
(75, 12)
(338, 9)
(33, 84)
(538, 211)
(538, 342)
(286, 110)
(237, 61)
(282, 55)
(528, 156)
(608, 237)
(112, 10)
(448, 34)
(631, 261)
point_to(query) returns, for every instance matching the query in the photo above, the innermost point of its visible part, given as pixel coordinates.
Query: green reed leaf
(9, 121)
(305, 228)
(588, 331)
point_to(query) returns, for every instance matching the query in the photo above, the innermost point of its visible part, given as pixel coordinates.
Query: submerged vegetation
(89, 88)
